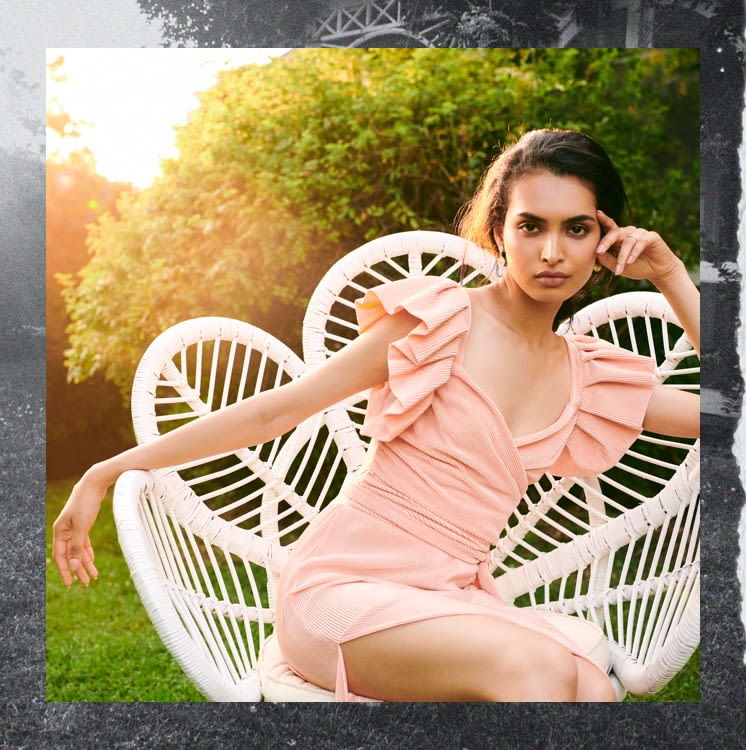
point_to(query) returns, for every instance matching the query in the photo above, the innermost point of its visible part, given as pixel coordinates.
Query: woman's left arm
(641, 254)
(672, 412)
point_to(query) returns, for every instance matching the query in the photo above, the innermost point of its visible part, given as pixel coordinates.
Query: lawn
(101, 645)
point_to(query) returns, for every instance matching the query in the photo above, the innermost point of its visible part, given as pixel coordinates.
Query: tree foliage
(86, 421)
(234, 23)
(285, 167)
(506, 23)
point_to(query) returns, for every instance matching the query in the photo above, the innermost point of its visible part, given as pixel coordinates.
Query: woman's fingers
(81, 564)
(611, 232)
(642, 241)
(629, 243)
(79, 554)
(72, 552)
(88, 560)
(636, 252)
(61, 535)
(632, 244)
(81, 570)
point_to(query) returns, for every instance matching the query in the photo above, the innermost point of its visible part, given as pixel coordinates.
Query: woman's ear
(497, 237)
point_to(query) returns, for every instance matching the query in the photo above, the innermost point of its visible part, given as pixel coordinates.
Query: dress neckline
(532, 437)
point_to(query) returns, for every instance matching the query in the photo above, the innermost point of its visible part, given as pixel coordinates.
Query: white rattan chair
(206, 542)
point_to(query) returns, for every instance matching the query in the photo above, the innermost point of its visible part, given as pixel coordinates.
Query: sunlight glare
(128, 101)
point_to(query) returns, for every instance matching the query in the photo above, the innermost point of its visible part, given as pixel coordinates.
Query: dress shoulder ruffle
(615, 390)
(422, 361)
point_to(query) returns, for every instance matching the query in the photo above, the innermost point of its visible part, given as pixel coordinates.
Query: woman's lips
(549, 279)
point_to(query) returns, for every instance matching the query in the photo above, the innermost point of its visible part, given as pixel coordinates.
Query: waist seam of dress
(451, 545)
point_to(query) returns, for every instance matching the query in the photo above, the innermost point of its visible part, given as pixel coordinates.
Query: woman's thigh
(460, 657)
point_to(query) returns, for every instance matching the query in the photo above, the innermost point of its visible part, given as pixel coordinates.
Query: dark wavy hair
(561, 152)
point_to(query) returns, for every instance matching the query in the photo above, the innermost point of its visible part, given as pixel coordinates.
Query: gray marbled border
(27, 720)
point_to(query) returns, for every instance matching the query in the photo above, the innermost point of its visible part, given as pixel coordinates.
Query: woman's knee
(593, 684)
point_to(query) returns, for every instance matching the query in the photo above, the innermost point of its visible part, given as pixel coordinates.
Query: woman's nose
(551, 252)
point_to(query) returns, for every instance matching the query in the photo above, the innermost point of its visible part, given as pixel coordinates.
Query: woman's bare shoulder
(476, 293)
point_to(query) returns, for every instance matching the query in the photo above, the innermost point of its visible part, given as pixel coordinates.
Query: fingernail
(74, 564)
(618, 269)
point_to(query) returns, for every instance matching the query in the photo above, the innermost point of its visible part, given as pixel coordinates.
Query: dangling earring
(500, 263)
(597, 266)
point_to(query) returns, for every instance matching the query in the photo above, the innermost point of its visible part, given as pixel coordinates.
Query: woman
(388, 596)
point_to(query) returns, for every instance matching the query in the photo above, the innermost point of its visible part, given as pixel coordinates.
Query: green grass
(683, 687)
(101, 645)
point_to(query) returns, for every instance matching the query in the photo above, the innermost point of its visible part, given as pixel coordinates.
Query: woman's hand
(71, 546)
(639, 253)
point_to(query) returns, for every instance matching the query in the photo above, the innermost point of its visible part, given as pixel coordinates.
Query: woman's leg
(593, 685)
(461, 657)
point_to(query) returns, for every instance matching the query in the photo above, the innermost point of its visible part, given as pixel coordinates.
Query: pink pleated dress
(411, 538)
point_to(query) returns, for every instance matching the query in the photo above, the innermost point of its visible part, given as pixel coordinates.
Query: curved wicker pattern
(206, 542)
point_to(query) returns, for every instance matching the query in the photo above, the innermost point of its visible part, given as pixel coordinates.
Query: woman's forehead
(546, 193)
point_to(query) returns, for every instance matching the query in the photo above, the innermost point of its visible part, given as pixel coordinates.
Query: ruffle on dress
(611, 386)
(420, 362)
(613, 397)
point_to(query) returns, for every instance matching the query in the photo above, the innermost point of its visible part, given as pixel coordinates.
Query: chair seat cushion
(589, 637)
(280, 684)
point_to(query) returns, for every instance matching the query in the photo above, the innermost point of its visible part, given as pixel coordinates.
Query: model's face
(550, 235)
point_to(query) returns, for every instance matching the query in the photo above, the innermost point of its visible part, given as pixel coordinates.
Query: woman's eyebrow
(539, 220)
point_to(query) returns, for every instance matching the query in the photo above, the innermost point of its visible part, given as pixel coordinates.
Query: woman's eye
(530, 228)
(578, 230)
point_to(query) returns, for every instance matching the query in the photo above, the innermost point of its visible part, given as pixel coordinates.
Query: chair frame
(160, 517)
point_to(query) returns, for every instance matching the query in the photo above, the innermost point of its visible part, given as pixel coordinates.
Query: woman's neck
(530, 319)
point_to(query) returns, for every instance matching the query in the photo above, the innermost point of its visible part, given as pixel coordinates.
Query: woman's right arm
(361, 365)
